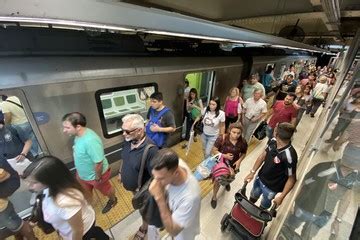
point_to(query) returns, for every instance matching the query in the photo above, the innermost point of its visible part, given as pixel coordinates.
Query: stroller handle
(272, 210)
(243, 189)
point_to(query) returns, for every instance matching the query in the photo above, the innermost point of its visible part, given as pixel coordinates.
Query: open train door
(19, 116)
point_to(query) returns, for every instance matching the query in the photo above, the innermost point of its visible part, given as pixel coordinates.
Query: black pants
(316, 103)
(95, 232)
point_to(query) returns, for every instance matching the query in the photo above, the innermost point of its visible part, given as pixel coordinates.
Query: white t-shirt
(319, 89)
(212, 123)
(58, 216)
(17, 113)
(184, 202)
(254, 109)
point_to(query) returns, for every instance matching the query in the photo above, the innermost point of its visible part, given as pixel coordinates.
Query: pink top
(232, 107)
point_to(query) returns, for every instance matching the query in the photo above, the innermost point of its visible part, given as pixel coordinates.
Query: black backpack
(9, 186)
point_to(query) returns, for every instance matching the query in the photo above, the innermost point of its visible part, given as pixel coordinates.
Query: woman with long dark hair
(233, 148)
(214, 124)
(194, 107)
(64, 205)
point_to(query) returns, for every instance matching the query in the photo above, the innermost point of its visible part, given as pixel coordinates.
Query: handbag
(203, 170)
(37, 216)
(142, 198)
(260, 132)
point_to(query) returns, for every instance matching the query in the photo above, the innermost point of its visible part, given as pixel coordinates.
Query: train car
(106, 88)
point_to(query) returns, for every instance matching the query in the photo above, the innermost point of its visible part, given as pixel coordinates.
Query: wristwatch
(338, 219)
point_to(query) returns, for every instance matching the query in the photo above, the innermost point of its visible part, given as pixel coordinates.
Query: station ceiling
(314, 22)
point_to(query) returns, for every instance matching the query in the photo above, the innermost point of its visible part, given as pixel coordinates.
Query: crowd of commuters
(147, 160)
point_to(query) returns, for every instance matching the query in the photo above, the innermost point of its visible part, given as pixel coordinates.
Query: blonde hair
(236, 89)
(323, 79)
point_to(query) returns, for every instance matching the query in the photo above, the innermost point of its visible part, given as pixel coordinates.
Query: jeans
(269, 132)
(208, 142)
(260, 189)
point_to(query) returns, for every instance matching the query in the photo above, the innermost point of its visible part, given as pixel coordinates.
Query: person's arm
(293, 121)
(169, 122)
(222, 128)
(287, 188)
(25, 150)
(158, 192)
(77, 226)
(259, 161)
(238, 162)
(261, 116)
(7, 117)
(98, 171)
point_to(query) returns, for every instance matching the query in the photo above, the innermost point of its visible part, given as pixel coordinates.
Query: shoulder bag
(142, 198)
(37, 216)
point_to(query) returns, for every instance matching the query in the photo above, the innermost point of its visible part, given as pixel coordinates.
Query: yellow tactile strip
(124, 207)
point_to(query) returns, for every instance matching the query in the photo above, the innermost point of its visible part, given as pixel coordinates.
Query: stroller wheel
(224, 222)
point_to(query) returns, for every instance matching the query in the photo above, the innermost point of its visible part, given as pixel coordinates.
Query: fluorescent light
(64, 22)
(175, 34)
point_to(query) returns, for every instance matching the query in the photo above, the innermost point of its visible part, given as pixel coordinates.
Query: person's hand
(278, 200)
(228, 156)
(336, 146)
(254, 120)
(156, 189)
(20, 157)
(98, 178)
(249, 177)
(237, 166)
(155, 128)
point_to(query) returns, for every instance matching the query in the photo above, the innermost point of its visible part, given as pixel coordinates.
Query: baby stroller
(246, 219)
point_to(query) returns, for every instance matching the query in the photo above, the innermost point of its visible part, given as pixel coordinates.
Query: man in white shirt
(290, 71)
(254, 111)
(177, 194)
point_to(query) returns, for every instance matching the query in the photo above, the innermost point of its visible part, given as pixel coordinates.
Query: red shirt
(281, 114)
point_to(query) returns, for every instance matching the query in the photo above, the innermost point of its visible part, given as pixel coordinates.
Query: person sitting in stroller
(232, 147)
(278, 168)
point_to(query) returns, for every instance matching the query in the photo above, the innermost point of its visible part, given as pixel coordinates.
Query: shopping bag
(203, 170)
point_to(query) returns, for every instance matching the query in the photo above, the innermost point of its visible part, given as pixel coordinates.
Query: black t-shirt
(166, 120)
(11, 142)
(284, 89)
(279, 164)
(132, 161)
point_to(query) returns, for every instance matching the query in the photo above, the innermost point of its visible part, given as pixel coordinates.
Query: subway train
(106, 88)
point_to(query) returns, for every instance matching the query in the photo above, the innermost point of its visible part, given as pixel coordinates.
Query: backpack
(9, 186)
(159, 138)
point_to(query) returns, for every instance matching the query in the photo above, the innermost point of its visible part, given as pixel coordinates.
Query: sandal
(140, 234)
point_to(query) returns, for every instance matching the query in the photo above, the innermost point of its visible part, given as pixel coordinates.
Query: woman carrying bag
(233, 148)
(63, 205)
(193, 106)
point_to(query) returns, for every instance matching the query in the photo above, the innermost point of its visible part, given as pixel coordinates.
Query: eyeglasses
(129, 131)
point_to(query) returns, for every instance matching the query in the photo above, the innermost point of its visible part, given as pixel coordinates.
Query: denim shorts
(260, 189)
(9, 219)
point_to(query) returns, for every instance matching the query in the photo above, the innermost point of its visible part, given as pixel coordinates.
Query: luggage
(246, 219)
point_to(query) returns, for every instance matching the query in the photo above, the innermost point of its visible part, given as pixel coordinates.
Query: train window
(115, 103)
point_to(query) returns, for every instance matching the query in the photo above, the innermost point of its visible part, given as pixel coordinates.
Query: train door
(20, 126)
(203, 82)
